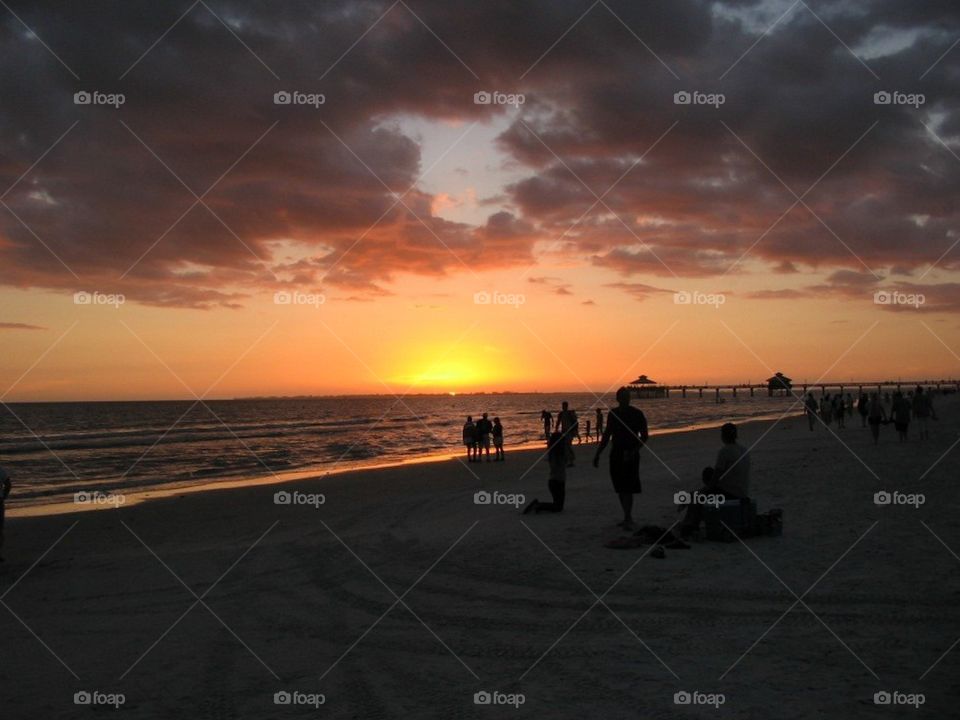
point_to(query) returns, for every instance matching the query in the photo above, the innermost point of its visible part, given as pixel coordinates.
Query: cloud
(19, 326)
(599, 153)
(639, 291)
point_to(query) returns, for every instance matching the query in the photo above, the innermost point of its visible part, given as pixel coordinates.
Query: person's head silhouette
(728, 433)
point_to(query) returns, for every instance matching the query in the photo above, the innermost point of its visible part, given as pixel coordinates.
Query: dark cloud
(317, 197)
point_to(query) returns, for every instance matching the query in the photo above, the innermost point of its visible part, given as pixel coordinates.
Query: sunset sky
(350, 246)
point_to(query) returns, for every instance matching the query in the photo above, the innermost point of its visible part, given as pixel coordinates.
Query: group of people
(626, 433)
(479, 435)
(914, 405)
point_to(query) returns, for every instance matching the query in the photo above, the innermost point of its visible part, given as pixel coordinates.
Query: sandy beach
(399, 596)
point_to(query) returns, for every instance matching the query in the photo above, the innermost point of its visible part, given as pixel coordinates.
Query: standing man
(810, 406)
(470, 438)
(484, 429)
(567, 424)
(627, 427)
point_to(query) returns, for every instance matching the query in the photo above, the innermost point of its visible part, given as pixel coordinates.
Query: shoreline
(64, 505)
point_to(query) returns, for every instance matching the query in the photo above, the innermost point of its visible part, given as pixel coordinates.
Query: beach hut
(779, 384)
(644, 387)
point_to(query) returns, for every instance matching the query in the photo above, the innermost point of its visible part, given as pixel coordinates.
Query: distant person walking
(4, 492)
(484, 430)
(589, 436)
(557, 482)
(849, 405)
(627, 428)
(839, 410)
(923, 411)
(810, 407)
(599, 423)
(876, 414)
(900, 412)
(863, 407)
(547, 420)
(826, 409)
(498, 440)
(470, 438)
(567, 425)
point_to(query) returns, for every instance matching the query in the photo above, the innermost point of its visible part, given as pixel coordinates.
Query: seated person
(730, 477)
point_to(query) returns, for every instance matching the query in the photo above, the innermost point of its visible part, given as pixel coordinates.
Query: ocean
(53, 450)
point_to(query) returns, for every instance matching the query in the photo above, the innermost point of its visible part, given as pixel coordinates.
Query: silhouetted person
(838, 410)
(810, 407)
(826, 409)
(589, 436)
(498, 440)
(923, 411)
(470, 438)
(900, 412)
(599, 423)
(849, 405)
(729, 476)
(567, 424)
(484, 430)
(4, 491)
(547, 419)
(627, 428)
(863, 407)
(875, 416)
(557, 482)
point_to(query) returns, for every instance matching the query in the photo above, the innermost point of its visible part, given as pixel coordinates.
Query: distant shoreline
(62, 505)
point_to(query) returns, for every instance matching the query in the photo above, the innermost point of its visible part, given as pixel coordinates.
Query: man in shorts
(470, 438)
(484, 429)
(627, 428)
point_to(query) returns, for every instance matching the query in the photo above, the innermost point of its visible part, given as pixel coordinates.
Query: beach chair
(730, 520)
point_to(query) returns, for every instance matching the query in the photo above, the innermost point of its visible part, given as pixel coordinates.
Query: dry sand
(400, 597)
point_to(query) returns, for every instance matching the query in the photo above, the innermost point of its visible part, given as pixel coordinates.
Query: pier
(643, 387)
